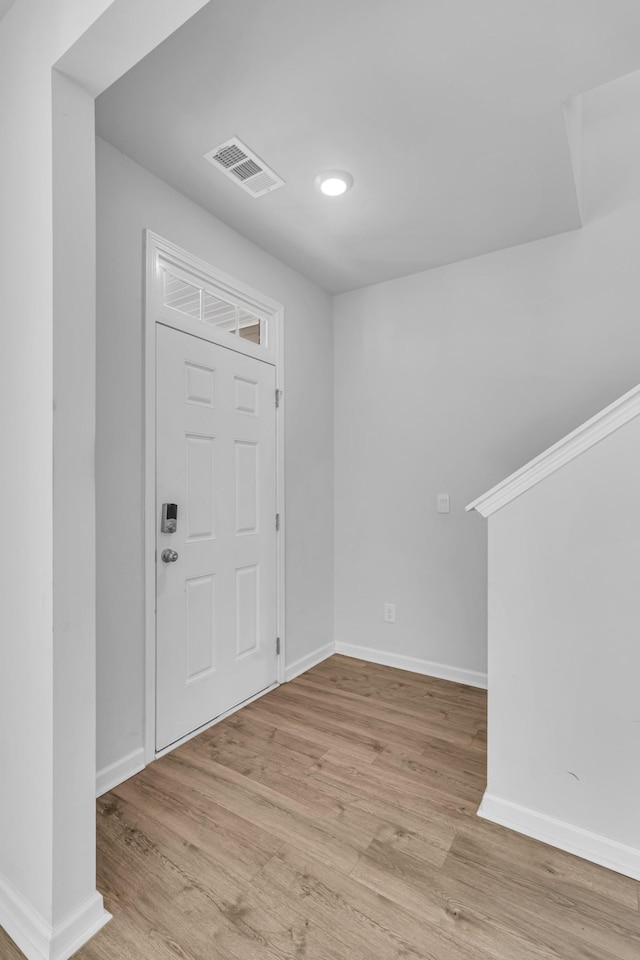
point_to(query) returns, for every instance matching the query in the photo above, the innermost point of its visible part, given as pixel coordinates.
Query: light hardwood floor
(334, 819)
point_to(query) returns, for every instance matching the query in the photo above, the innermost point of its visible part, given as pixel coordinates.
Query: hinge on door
(278, 646)
(277, 521)
(278, 397)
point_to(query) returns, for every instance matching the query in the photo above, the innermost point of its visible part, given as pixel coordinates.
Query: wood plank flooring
(335, 819)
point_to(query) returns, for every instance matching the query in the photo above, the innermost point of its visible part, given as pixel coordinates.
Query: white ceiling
(448, 113)
(4, 6)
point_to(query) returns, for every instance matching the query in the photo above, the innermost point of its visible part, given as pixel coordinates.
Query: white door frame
(159, 251)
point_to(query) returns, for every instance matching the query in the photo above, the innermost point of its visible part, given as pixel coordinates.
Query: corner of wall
(37, 939)
(310, 660)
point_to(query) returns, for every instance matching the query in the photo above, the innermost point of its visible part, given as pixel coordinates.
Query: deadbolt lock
(169, 522)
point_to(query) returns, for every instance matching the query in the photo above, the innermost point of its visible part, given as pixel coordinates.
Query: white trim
(613, 417)
(149, 500)
(218, 719)
(36, 938)
(273, 353)
(281, 626)
(24, 925)
(442, 671)
(77, 929)
(311, 660)
(116, 773)
(208, 278)
(582, 843)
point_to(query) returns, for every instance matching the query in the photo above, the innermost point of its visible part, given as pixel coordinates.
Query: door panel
(216, 604)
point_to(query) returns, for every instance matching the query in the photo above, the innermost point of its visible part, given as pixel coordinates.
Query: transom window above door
(196, 301)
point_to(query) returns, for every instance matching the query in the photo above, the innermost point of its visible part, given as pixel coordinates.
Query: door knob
(169, 556)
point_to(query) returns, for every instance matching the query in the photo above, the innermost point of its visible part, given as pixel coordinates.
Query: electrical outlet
(390, 613)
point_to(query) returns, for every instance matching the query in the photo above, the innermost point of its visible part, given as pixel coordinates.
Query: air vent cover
(244, 167)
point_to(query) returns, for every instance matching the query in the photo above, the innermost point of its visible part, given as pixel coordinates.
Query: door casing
(159, 250)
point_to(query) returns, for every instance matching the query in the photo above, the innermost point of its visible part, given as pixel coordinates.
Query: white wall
(33, 718)
(564, 657)
(129, 200)
(48, 901)
(451, 379)
(74, 420)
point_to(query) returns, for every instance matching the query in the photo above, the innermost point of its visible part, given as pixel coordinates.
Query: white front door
(216, 602)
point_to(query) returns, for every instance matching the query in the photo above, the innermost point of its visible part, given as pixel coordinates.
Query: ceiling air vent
(244, 167)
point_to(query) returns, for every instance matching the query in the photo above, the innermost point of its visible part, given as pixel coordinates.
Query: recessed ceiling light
(333, 183)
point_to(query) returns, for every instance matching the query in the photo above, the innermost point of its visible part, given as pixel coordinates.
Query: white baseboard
(311, 660)
(69, 936)
(36, 938)
(116, 773)
(413, 665)
(582, 843)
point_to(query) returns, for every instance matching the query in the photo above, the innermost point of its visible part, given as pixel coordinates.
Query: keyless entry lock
(169, 518)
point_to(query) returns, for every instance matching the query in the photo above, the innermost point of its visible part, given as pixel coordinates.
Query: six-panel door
(216, 604)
